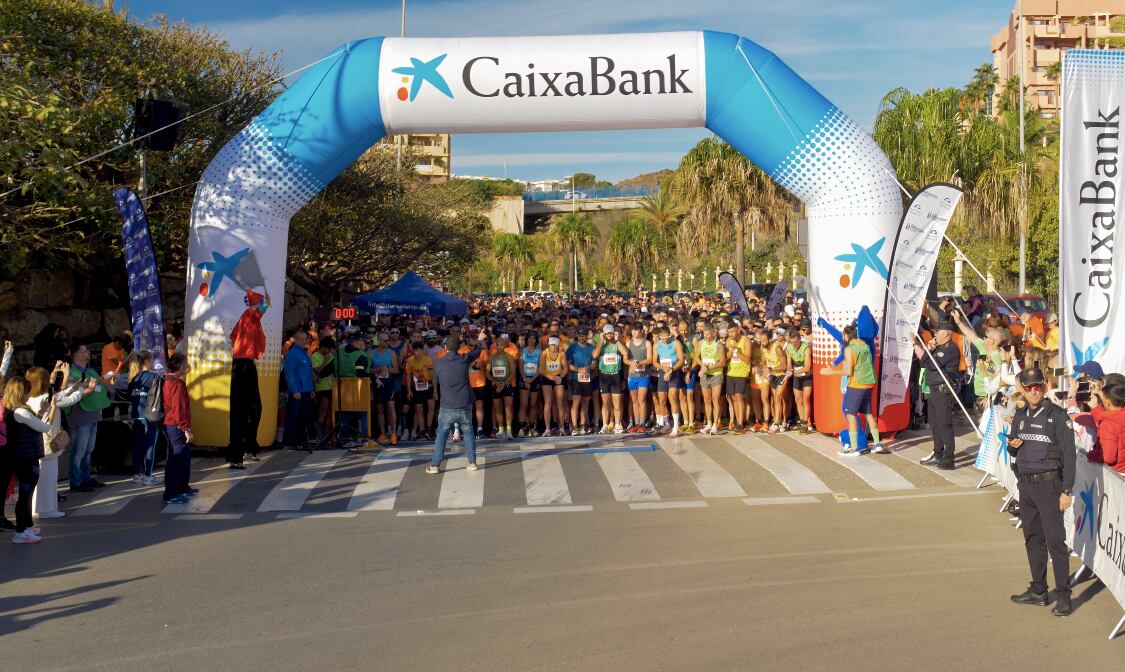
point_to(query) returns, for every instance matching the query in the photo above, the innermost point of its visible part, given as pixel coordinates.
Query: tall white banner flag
(912, 265)
(1090, 196)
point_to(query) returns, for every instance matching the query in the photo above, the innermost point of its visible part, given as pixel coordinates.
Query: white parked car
(574, 195)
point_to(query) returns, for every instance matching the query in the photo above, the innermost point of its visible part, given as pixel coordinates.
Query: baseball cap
(1091, 368)
(608, 329)
(1032, 376)
(464, 320)
(554, 340)
(431, 334)
(945, 325)
(1053, 317)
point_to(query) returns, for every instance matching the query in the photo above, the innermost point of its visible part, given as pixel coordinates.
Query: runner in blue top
(669, 368)
(530, 383)
(580, 357)
(384, 369)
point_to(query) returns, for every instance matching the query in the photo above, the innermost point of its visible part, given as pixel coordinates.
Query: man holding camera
(1042, 439)
(942, 365)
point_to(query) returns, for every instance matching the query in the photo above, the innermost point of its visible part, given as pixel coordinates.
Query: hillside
(646, 178)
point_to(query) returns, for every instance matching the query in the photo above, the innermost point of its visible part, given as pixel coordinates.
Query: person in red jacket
(1110, 448)
(177, 429)
(248, 342)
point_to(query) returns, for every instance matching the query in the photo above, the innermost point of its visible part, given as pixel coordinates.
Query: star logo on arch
(221, 267)
(859, 260)
(419, 72)
(1086, 518)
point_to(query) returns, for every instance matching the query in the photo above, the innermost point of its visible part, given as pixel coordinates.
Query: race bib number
(610, 359)
(499, 371)
(583, 376)
(707, 361)
(529, 369)
(667, 362)
(736, 356)
(421, 385)
(554, 366)
(382, 372)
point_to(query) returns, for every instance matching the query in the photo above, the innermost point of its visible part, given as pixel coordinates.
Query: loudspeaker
(151, 114)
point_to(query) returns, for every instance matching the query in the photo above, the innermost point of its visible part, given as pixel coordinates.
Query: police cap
(1032, 376)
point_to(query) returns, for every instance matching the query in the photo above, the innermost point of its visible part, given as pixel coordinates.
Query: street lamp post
(1023, 176)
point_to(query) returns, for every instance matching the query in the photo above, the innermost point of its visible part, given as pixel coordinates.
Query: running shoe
(674, 434)
(382, 438)
(880, 449)
(394, 439)
(847, 451)
(432, 470)
(472, 466)
(619, 430)
(774, 429)
(26, 537)
(546, 432)
(604, 429)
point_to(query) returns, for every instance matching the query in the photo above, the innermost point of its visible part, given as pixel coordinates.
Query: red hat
(253, 298)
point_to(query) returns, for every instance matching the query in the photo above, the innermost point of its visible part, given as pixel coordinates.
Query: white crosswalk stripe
(544, 480)
(796, 477)
(963, 477)
(211, 490)
(711, 479)
(876, 474)
(461, 488)
(633, 472)
(290, 494)
(629, 482)
(379, 487)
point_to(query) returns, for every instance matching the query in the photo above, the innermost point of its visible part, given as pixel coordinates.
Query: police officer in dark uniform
(1042, 439)
(942, 377)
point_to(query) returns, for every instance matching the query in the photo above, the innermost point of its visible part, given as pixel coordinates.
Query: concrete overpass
(515, 214)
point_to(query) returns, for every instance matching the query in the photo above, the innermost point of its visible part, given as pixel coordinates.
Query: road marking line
(310, 514)
(114, 498)
(209, 516)
(379, 487)
(796, 477)
(552, 509)
(578, 449)
(961, 476)
(461, 488)
(290, 494)
(445, 512)
(873, 472)
(710, 479)
(770, 501)
(544, 480)
(628, 481)
(212, 490)
(694, 504)
(918, 496)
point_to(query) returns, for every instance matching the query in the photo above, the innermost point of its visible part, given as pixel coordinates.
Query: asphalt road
(874, 580)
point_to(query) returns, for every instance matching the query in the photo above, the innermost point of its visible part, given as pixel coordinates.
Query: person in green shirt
(324, 364)
(989, 357)
(83, 419)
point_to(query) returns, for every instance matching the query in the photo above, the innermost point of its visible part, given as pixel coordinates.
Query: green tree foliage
(375, 220)
(635, 247)
(70, 72)
(572, 233)
(511, 251)
(584, 180)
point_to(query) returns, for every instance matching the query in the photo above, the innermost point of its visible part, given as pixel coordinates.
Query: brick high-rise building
(1050, 27)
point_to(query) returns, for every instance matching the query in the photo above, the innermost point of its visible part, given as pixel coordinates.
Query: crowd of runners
(592, 364)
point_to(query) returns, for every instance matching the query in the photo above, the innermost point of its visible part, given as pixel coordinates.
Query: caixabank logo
(597, 76)
(1086, 514)
(418, 73)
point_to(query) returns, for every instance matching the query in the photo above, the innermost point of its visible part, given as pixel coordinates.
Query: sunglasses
(1035, 388)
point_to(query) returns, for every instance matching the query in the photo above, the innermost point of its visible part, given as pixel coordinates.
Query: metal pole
(398, 138)
(403, 32)
(1023, 181)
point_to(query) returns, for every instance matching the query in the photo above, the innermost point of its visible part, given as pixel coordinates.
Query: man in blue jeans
(451, 374)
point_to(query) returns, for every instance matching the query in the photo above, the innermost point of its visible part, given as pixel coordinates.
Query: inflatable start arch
(343, 105)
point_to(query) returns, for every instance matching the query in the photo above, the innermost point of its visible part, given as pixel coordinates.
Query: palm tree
(1054, 73)
(979, 91)
(633, 244)
(574, 233)
(664, 213)
(511, 251)
(724, 192)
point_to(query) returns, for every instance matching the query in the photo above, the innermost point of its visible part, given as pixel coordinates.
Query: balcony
(1047, 56)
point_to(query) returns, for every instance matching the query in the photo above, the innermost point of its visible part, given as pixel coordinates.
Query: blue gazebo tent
(409, 295)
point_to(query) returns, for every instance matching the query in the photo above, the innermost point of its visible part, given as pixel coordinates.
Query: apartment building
(434, 150)
(1050, 27)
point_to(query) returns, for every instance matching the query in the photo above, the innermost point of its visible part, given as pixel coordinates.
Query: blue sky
(852, 51)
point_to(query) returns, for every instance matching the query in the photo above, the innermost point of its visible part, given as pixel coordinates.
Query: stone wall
(92, 311)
